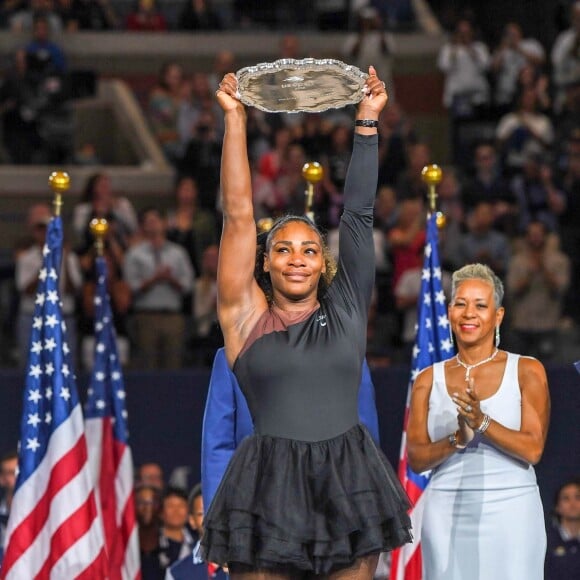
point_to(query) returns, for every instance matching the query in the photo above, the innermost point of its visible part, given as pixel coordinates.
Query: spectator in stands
(523, 131)
(146, 17)
(8, 9)
(8, 467)
(449, 203)
(464, 61)
(407, 238)
(223, 63)
(150, 473)
(510, 57)
(569, 220)
(160, 275)
(410, 182)
(537, 280)
(175, 539)
(386, 210)
(207, 332)
(407, 295)
(396, 137)
(87, 15)
(290, 47)
(23, 19)
(199, 15)
(371, 44)
(290, 186)
(189, 226)
(193, 568)
(28, 263)
(563, 553)
(163, 109)
(532, 77)
(566, 123)
(487, 183)
(39, 99)
(271, 163)
(335, 161)
(202, 156)
(147, 513)
(99, 201)
(48, 55)
(19, 116)
(566, 57)
(481, 243)
(536, 194)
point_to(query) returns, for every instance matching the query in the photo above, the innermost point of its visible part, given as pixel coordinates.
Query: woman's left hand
(375, 97)
(468, 406)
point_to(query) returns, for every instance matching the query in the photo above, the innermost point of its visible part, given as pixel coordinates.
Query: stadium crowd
(509, 196)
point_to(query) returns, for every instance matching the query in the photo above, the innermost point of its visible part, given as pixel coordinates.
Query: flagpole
(432, 344)
(59, 182)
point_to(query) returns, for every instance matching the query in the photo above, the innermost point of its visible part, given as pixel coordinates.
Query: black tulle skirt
(312, 507)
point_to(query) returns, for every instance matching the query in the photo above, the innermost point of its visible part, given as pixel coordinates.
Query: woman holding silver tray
(309, 495)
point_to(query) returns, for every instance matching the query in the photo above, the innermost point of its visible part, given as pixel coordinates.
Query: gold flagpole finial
(59, 182)
(99, 228)
(312, 172)
(432, 176)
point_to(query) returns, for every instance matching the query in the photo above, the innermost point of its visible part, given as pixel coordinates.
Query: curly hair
(264, 243)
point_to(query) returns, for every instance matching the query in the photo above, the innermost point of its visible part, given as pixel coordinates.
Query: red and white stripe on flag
(54, 530)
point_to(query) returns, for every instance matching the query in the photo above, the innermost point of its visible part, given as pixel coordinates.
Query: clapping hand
(468, 407)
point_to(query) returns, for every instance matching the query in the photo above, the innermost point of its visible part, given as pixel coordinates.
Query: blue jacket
(227, 421)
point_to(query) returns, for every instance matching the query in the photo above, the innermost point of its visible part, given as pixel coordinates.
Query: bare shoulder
(531, 373)
(424, 380)
(530, 365)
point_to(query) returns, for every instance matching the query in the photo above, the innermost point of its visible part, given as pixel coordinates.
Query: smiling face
(295, 261)
(472, 312)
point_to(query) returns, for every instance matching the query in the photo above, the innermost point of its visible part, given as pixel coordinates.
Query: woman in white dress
(479, 421)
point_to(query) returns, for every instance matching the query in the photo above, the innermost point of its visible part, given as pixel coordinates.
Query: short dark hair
(12, 454)
(147, 210)
(173, 491)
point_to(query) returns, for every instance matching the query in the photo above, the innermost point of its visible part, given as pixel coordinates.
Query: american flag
(54, 529)
(432, 344)
(107, 440)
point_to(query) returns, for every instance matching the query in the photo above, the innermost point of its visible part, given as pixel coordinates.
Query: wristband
(366, 123)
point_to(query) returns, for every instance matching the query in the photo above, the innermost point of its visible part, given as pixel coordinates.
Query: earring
(497, 338)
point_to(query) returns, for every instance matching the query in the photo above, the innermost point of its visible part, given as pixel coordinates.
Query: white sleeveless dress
(483, 517)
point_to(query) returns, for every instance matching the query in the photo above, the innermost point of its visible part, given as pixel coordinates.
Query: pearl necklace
(469, 368)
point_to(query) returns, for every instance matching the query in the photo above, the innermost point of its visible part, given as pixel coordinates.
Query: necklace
(469, 368)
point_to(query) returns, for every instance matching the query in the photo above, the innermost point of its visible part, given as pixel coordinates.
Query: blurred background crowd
(510, 195)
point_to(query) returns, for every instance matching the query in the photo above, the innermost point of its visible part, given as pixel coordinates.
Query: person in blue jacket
(227, 421)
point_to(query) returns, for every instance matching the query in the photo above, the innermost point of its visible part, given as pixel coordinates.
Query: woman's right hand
(227, 94)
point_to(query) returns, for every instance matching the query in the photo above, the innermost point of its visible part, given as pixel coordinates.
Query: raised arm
(239, 297)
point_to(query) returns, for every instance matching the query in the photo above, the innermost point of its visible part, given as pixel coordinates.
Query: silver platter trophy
(309, 85)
